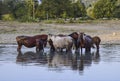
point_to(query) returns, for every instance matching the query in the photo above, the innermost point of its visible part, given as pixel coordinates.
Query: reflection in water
(56, 66)
(31, 57)
(59, 60)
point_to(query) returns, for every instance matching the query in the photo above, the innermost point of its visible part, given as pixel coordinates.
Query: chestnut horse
(96, 40)
(85, 41)
(32, 41)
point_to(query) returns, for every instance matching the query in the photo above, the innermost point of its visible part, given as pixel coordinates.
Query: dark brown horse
(74, 35)
(96, 41)
(31, 41)
(85, 41)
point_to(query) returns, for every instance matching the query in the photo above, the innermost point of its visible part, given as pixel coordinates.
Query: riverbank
(107, 30)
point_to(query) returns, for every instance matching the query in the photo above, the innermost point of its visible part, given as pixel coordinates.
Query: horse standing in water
(85, 41)
(96, 40)
(74, 35)
(32, 41)
(61, 42)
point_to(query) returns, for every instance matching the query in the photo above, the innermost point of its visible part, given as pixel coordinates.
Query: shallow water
(28, 65)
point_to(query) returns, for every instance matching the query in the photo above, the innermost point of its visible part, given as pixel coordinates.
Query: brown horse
(96, 41)
(85, 41)
(31, 41)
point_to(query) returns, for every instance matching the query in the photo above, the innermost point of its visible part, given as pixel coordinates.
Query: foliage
(102, 9)
(116, 12)
(78, 9)
(32, 11)
(60, 21)
(7, 17)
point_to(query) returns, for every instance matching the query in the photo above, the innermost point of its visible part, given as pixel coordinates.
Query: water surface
(28, 65)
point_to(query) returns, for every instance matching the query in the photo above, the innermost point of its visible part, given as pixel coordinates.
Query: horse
(84, 41)
(74, 35)
(61, 42)
(32, 41)
(96, 40)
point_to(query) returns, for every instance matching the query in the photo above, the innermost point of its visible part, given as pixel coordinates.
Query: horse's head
(50, 41)
(49, 36)
(81, 40)
(74, 35)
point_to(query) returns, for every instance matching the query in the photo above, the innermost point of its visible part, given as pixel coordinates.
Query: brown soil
(108, 31)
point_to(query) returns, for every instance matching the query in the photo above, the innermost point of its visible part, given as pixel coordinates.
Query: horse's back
(61, 42)
(22, 37)
(42, 36)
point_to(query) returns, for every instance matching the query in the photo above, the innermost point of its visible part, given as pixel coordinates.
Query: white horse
(61, 42)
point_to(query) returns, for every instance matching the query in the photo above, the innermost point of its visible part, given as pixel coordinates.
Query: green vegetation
(58, 11)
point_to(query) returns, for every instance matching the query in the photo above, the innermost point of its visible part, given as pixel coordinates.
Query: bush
(71, 21)
(60, 21)
(48, 21)
(90, 12)
(28, 19)
(7, 17)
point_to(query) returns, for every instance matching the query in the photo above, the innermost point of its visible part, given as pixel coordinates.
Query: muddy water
(28, 65)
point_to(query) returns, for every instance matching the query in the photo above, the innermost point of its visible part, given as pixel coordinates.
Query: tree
(78, 9)
(0, 9)
(116, 12)
(101, 9)
(55, 8)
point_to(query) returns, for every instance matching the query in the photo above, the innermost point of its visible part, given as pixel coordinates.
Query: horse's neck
(84, 37)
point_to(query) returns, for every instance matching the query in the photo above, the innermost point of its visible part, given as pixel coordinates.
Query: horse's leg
(19, 47)
(52, 48)
(97, 46)
(37, 49)
(81, 49)
(61, 50)
(88, 49)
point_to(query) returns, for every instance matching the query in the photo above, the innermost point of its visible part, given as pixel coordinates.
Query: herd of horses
(59, 42)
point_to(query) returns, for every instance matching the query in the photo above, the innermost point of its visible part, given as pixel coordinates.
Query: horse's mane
(73, 33)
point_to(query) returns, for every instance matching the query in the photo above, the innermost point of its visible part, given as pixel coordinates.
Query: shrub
(60, 21)
(7, 17)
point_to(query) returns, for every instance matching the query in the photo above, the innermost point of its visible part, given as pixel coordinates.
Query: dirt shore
(108, 31)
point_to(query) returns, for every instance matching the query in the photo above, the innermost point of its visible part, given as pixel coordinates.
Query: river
(28, 65)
